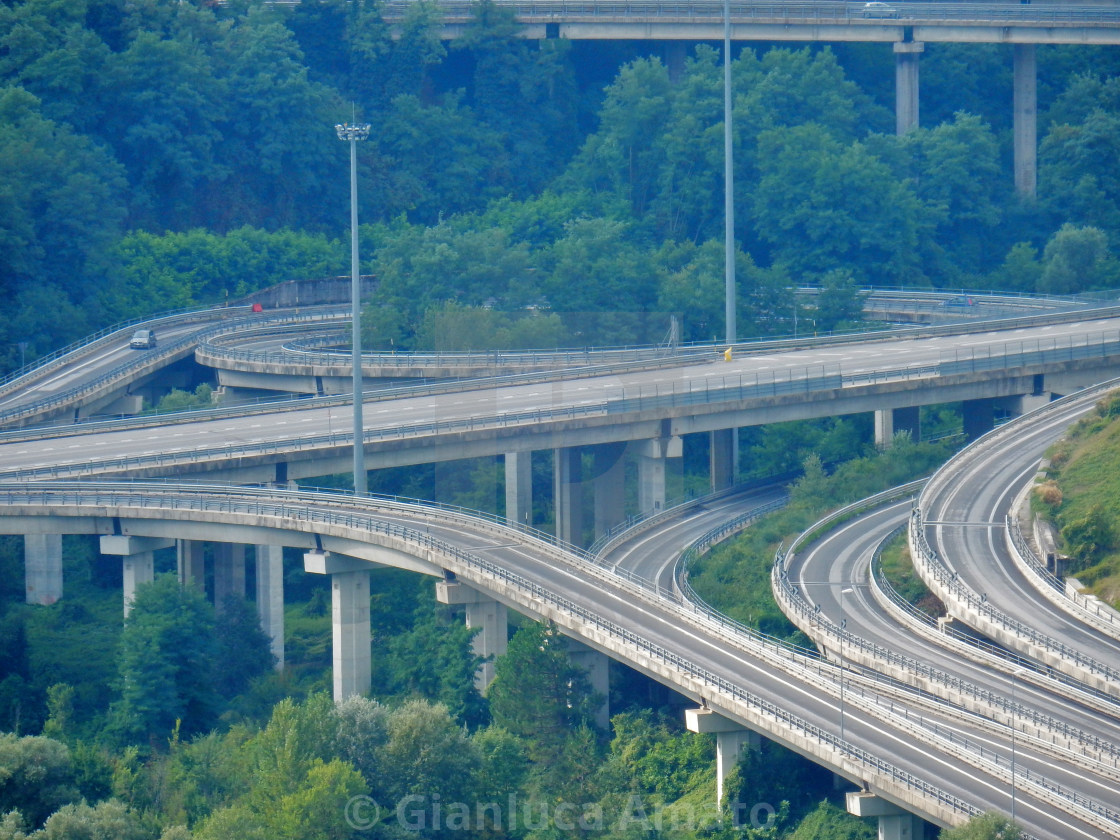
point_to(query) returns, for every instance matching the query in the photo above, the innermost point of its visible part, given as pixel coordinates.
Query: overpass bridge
(908, 26)
(901, 749)
(1063, 353)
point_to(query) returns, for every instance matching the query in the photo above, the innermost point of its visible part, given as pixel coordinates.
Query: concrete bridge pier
(906, 55)
(731, 740)
(42, 568)
(597, 666)
(652, 455)
(229, 572)
(350, 639)
(567, 486)
(190, 561)
(519, 487)
(270, 597)
(979, 417)
(609, 486)
(137, 560)
(895, 823)
(486, 613)
(888, 421)
(722, 458)
(1025, 123)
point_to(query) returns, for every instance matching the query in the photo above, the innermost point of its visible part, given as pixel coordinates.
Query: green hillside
(1082, 498)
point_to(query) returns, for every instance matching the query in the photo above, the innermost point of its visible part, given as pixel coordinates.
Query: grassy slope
(1086, 467)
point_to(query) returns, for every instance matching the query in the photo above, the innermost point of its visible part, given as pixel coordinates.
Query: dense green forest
(164, 155)
(157, 156)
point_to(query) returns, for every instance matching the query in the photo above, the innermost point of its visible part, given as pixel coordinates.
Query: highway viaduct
(907, 26)
(655, 405)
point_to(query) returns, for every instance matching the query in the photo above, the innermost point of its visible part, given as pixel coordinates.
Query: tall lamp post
(846, 587)
(352, 133)
(728, 183)
(1014, 705)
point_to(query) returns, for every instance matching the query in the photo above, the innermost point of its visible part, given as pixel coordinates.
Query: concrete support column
(484, 612)
(895, 823)
(979, 417)
(597, 666)
(722, 458)
(42, 568)
(651, 471)
(906, 55)
(191, 563)
(519, 487)
(350, 639)
(1026, 119)
(610, 486)
(888, 421)
(731, 740)
(270, 597)
(137, 561)
(568, 494)
(676, 52)
(229, 572)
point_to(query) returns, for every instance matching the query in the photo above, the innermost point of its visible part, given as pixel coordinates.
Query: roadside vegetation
(1080, 495)
(513, 194)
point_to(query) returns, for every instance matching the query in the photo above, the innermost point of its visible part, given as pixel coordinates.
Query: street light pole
(843, 624)
(352, 133)
(1014, 704)
(728, 184)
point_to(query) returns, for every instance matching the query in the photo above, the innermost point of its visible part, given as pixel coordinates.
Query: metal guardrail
(164, 351)
(1046, 578)
(709, 11)
(950, 582)
(1013, 660)
(346, 514)
(46, 363)
(790, 598)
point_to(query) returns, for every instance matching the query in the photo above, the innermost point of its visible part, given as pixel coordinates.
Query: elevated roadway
(930, 761)
(305, 439)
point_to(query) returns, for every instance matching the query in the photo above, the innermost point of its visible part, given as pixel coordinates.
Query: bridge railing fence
(242, 501)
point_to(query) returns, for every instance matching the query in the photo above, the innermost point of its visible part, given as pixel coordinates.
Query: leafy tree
(537, 694)
(426, 755)
(36, 777)
(987, 826)
(60, 203)
(1077, 260)
(821, 204)
(163, 120)
(435, 661)
(108, 820)
(243, 649)
(1021, 270)
(167, 657)
(1074, 175)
